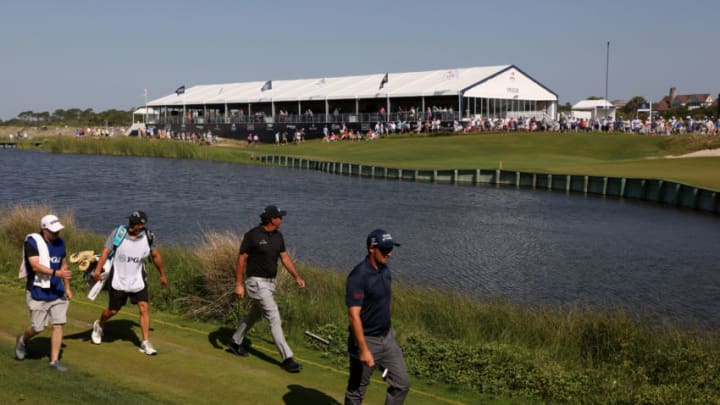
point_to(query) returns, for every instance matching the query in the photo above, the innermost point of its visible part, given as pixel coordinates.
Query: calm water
(528, 246)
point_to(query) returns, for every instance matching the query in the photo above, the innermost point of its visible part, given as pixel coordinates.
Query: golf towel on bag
(41, 280)
(120, 234)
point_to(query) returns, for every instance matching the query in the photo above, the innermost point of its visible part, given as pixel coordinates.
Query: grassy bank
(618, 155)
(468, 350)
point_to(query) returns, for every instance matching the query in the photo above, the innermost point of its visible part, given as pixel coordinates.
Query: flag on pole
(383, 81)
(145, 92)
(180, 90)
(267, 86)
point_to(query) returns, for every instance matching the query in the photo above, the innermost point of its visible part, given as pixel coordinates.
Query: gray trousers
(387, 354)
(260, 291)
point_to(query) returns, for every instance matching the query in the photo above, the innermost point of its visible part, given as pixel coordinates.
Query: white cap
(51, 223)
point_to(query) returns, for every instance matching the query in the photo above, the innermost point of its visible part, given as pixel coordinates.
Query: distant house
(691, 101)
(591, 109)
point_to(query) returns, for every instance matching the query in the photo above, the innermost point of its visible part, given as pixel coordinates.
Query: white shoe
(147, 348)
(97, 333)
(20, 348)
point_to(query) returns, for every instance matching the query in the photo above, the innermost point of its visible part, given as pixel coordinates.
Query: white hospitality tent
(145, 115)
(490, 91)
(591, 109)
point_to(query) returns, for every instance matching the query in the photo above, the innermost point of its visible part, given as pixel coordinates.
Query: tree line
(72, 117)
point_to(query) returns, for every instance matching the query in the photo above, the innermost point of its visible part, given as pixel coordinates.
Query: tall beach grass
(232, 152)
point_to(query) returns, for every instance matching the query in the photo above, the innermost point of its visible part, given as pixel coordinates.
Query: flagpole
(607, 68)
(145, 116)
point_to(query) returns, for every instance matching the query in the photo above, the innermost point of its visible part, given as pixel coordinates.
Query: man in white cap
(47, 290)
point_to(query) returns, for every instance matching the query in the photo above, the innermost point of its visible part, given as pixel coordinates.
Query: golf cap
(51, 223)
(381, 239)
(137, 217)
(272, 211)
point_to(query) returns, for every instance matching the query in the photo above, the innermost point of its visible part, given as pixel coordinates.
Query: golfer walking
(260, 250)
(372, 342)
(47, 290)
(129, 247)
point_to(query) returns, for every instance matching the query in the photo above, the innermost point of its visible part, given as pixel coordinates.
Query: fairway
(192, 365)
(618, 155)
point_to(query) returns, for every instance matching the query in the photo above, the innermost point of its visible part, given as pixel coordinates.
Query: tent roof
(593, 104)
(505, 81)
(143, 110)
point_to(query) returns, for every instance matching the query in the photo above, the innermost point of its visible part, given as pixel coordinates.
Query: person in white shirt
(128, 248)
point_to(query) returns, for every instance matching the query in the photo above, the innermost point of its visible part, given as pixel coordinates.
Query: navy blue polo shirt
(370, 289)
(263, 249)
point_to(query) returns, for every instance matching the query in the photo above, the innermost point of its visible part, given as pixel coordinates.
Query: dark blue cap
(272, 211)
(380, 238)
(137, 217)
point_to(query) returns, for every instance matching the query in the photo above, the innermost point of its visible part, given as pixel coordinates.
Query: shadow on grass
(299, 395)
(220, 339)
(121, 329)
(260, 355)
(38, 348)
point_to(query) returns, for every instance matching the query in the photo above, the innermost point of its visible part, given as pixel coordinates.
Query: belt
(269, 280)
(381, 334)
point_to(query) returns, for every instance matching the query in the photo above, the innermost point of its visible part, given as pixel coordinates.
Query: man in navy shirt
(47, 287)
(372, 341)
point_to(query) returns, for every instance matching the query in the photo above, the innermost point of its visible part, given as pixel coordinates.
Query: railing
(653, 190)
(310, 118)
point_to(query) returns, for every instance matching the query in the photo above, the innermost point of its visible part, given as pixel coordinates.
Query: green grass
(192, 365)
(628, 156)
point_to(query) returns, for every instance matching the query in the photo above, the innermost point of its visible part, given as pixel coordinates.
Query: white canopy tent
(146, 114)
(505, 82)
(591, 109)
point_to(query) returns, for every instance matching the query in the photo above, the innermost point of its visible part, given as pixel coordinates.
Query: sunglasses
(385, 251)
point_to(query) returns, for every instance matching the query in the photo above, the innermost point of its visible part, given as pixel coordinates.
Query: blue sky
(102, 54)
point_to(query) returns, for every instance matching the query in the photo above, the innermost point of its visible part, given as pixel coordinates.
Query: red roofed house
(691, 101)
